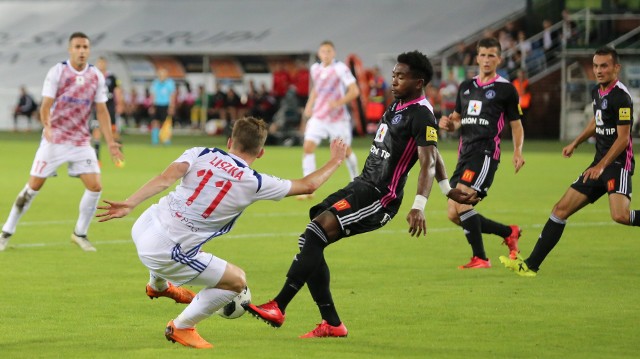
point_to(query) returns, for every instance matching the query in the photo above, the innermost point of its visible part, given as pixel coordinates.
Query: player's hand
(462, 197)
(567, 151)
(113, 210)
(338, 150)
(518, 162)
(47, 133)
(446, 123)
(417, 223)
(592, 173)
(116, 155)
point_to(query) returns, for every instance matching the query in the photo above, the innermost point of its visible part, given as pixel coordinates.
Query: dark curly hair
(419, 65)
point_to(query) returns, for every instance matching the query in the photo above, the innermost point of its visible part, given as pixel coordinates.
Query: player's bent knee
(234, 279)
(622, 218)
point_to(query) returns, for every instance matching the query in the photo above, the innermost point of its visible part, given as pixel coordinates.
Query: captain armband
(419, 202)
(445, 187)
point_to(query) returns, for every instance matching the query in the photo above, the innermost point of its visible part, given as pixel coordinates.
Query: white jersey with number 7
(212, 195)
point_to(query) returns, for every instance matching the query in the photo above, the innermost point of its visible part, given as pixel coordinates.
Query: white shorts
(50, 156)
(167, 260)
(318, 130)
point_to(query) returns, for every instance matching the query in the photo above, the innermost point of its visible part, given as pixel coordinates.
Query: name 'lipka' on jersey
(216, 181)
(393, 152)
(484, 107)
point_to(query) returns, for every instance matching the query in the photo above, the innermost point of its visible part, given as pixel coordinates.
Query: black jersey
(483, 109)
(393, 152)
(612, 108)
(111, 82)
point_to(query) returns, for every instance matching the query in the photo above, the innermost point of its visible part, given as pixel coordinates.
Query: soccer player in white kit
(69, 92)
(333, 87)
(215, 188)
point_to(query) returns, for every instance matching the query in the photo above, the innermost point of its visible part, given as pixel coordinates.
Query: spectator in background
(448, 93)
(523, 45)
(511, 29)
(506, 41)
(266, 104)
(300, 80)
(185, 100)
(233, 104)
(462, 57)
(163, 93)
(281, 81)
(217, 104)
(26, 106)
(550, 40)
(569, 29)
(199, 109)
(521, 83)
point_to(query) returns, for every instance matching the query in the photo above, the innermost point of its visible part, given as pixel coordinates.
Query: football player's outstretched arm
(314, 180)
(114, 209)
(588, 132)
(427, 157)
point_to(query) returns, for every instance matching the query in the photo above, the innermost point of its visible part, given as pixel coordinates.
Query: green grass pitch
(400, 297)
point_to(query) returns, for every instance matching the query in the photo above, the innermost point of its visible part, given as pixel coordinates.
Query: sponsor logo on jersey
(490, 94)
(396, 119)
(474, 108)
(624, 113)
(468, 175)
(341, 205)
(79, 80)
(432, 134)
(598, 117)
(382, 131)
(611, 185)
(604, 104)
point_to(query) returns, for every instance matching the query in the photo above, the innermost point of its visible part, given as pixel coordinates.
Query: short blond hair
(249, 135)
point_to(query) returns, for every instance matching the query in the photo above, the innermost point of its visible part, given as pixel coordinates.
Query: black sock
(548, 239)
(491, 227)
(318, 284)
(304, 263)
(470, 222)
(634, 218)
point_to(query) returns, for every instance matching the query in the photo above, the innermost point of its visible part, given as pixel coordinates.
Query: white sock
(203, 306)
(352, 165)
(157, 283)
(88, 205)
(308, 163)
(27, 194)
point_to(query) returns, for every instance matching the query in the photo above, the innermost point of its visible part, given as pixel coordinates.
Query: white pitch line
(295, 234)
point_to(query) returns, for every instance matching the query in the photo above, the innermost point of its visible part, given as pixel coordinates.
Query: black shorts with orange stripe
(614, 179)
(476, 172)
(357, 208)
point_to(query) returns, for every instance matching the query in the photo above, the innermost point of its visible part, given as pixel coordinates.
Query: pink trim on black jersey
(606, 91)
(400, 169)
(629, 158)
(496, 140)
(401, 106)
(477, 79)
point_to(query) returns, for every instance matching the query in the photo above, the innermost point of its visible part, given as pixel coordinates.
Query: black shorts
(476, 172)
(614, 179)
(357, 207)
(161, 113)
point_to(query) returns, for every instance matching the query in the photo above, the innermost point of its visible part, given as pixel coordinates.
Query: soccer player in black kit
(611, 169)
(483, 105)
(407, 133)
(114, 105)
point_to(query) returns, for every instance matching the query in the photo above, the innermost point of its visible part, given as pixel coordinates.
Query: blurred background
(231, 58)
